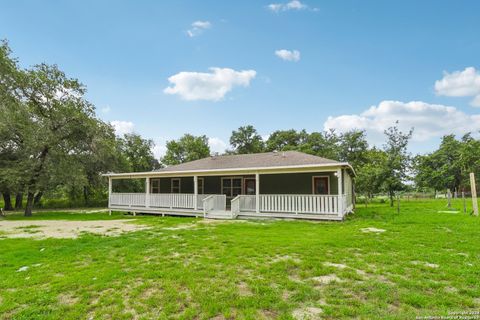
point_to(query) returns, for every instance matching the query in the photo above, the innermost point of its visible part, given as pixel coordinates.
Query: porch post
(195, 192)
(257, 193)
(340, 192)
(109, 194)
(147, 192)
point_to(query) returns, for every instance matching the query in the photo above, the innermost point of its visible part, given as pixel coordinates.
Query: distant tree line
(449, 166)
(53, 145)
(378, 170)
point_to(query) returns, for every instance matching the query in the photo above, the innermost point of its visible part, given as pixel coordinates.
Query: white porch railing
(172, 200)
(214, 202)
(269, 203)
(309, 204)
(157, 200)
(127, 199)
(297, 204)
(235, 206)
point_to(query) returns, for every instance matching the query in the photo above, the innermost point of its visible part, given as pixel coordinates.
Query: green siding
(288, 183)
(186, 185)
(293, 183)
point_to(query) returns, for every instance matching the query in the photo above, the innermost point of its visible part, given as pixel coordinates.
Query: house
(287, 184)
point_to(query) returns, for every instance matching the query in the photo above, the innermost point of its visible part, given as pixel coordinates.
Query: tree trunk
(29, 206)
(85, 195)
(391, 198)
(37, 198)
(33, 181)
(18, 201)
(8, 201)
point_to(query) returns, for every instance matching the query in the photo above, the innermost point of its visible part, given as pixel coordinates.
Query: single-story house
(286, 184)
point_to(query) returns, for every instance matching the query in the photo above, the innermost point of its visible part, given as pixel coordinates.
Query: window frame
(152, 185)
(321, 177)
(179, 185)
(231, 187)
(201, 185)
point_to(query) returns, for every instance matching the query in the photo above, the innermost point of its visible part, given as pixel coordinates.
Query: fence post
(474, 194)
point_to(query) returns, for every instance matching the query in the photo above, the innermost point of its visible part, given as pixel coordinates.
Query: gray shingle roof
(255, 160)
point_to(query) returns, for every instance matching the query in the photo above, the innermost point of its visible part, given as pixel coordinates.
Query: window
(321, 185)
(200, 185)
(231, 187)
(155, 185)
(175, 185)
(250, 186)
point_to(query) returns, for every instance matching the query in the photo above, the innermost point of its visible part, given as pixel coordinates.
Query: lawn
(424, 263)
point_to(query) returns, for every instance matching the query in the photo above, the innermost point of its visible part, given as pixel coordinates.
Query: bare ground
(40, 229)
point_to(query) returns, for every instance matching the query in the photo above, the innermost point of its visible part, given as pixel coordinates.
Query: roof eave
(183, 172)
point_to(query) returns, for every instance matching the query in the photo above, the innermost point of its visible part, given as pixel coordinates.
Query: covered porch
(320, 193)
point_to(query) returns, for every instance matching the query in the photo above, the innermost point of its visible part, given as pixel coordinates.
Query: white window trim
(328, 181)
(179, 185)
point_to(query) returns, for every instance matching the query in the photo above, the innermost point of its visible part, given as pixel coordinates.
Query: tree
(353, 148)
(246, 140)
(138, 153)
(369, 178)
(322, 144)
(282, 140)
(449, 166)
(51, 126)
(187, 148)
(397, 164)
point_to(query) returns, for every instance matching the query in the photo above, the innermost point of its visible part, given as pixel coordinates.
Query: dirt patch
(476, 301)
(426, 264)
(67, 299)
(279, 258)
(305, 313)
(201, 222)
(372, 230)
(335, 265)
(244, 290)
(451, 289)
(327, 279)
(66, 228)
(268, 314)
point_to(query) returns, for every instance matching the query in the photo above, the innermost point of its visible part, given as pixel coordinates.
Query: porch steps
(219, 214)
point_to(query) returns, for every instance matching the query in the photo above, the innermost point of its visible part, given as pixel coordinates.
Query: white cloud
(292, 5)
(122, 127)
(288, 55)
(428, 120)
(217, 145)
(198, 27)
(464, 83)
(211, 86)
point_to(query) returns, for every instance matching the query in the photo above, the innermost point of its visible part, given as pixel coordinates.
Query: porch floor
(227, 215)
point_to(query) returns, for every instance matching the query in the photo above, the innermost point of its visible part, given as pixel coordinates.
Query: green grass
(425, 263)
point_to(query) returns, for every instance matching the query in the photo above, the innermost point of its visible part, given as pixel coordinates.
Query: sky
(165, 68)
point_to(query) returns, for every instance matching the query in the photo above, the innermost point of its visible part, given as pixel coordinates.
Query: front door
(231, 187)
(321, 185)
(249, 185)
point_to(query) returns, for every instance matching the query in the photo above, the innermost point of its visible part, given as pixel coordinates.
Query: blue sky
(344, 64)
